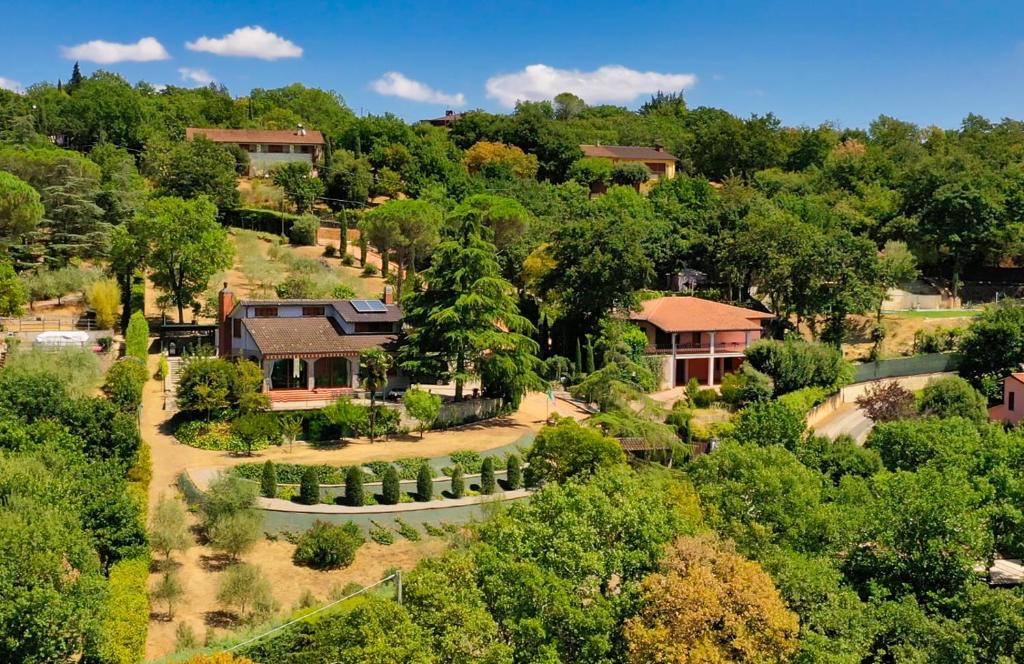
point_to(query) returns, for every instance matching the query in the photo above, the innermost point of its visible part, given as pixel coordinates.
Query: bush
(268, 481)
(303, 230)
(348, 260)
(330, 251)
(793, 364)
(309, 489)
(267, 221)
(354, 487)
(425, 483)
(953, 397)
(567, 449)
(391, 489)
(705, 398)
(163, 368)
(124, 383)
(937, 341)
(127, 618)
(104, 297)
(217, 436)
(327, 546)
(382, 535)
(487, 483)
(369, 270)
(136, 338)
(458, 482)
(407, 530)
(803, 400)
(244, 586)
(885, 402)
(514, 473)
(770, 423)
(469, 460)
(680, 418)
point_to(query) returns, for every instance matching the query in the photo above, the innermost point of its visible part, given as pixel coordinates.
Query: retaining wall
(850, 393)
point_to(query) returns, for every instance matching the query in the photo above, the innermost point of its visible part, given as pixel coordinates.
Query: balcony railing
(688, 349)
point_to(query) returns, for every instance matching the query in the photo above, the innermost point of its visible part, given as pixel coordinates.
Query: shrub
(185, 637)
(770, 423)
(391, 489)
(458, 482)
(885, 402)
(268, 481)
(309, 489)
(163, 368)
(803, 400)
(244, 587)
(680, 418)
(304, 230)
(470, 460)
(330, 251)
(127, 617)
(514, 472)
(953, 397)
(937, 341)
(382, 535)
(104, 297)
(208, 436)
(124, 383)
(407, 530)
(630, 174)
(567, 449)
(136, 338)
(354, 487)
(425, 483)
(369, 270)
(705, 398)
(348, 260)
(327, 546)
(423, 406)
(793, 364)
(487, 483)
(236, 533)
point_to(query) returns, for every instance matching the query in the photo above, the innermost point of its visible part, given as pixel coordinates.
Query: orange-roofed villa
(698, 338)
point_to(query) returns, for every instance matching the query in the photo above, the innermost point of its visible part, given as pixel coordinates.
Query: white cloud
(200, 76)
(248, 42)
(611, 83)
(11, 84)
(146, 49)
(394, 84)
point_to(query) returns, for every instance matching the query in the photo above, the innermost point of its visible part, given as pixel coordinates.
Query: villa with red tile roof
(697, 338)
(1012, 408)
(308, 349)
(267, 148)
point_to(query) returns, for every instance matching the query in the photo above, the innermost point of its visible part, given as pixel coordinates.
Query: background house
(697, 338)
(268, 148)
(660, 163)
(1012, 408)
(308, 349)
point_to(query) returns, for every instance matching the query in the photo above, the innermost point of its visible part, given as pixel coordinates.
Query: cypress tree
(391, 489)
(590, 355)
(268, 483)
(579, 357)
(515, 472)
(487, 476)
(458, 482)
(354, 487)
(425, 483)
(309, 488)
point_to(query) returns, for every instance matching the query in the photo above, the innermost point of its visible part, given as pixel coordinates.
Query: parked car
(395, 394)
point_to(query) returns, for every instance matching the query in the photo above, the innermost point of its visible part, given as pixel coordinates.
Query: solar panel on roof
(377, 306)
(362, 306)
(369, 306)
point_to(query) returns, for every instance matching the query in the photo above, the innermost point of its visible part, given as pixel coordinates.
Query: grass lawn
(933, 313)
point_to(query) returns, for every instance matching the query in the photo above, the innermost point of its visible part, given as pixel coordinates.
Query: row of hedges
(268, 221)
(216, 436)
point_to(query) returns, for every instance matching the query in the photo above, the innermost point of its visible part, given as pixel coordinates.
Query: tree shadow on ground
(217, 562)
(221, 619)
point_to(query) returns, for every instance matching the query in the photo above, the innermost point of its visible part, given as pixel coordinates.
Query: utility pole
(398, 586)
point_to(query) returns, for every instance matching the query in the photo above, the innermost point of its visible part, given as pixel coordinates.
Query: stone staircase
(171, 383)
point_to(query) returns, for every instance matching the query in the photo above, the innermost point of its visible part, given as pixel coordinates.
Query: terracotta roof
(343, 307)
(640, 445)
(287, 137)
(1018, 375)
(693, 314)
(309, 337)
(626, 152)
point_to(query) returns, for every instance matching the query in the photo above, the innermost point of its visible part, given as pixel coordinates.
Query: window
(236, 328)
(265, 312)
(1012, 403)
(696, 339)
(279, 149)
(657, 167)
(305, 149)
(248, 147)
(312, 311)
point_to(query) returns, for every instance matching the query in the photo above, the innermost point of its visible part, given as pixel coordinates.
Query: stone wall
(459, 412)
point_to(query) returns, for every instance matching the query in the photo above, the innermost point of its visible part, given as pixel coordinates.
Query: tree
(458, 482)
(374, 366)
(103, 107)
(568, 106)
(354, 487)
(425, 483)
(390, 488)
(12, 291)
(236, 533)
(566, 449)
(252, 429)
(794, 364)
(199, 167)
(227, 495)
(407, 229)
(467, 310)
(710, 604)
(136, 337)
(885, 402)
(169, 532)
(630, 174)
(290, 427)
(20, 209)
(489, 157)
(244, 586)
(126, 255)
(299, 184)
(327, 546)
(423, 406)
(487, 482)
(309, 487)
(124, 383)
(514, 472)
(187, 247)
(592, 172)
(953, 397)
(268, 480)
(205, 385)
(168, 590)
(770, 423)
(103, 297)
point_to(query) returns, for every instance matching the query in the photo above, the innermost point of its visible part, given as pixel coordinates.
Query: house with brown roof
(661, 164)
(697, 338)
(268, 148)
(1012, 409)
(308, 349)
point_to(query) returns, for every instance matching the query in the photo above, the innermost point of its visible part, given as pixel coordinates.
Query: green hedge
(127, 622)
(803, 400)
(268, 221)
(136, 338)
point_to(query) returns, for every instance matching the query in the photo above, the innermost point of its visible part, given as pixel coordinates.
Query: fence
(907, 366)
(46, 324)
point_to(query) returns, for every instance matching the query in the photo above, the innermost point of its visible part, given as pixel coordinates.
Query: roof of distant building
(446, 119)
(694, 314)
(263, 136)
(279, 338)
(346, 310)
(627, 152)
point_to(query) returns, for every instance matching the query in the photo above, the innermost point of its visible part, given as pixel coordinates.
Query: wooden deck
(299, 399)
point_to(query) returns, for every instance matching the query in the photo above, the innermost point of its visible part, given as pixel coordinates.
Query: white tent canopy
(70, 338)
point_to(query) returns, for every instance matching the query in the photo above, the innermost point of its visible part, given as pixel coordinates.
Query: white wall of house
(261, 163)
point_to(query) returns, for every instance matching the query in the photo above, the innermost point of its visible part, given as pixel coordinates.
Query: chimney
(389, 295)
(300, 130)
(225, 303)
(448, 113)
(659, 147)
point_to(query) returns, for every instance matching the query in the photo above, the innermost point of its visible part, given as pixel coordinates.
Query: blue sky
(809, 62)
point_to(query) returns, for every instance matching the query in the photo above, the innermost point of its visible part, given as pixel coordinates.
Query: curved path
(849, 420)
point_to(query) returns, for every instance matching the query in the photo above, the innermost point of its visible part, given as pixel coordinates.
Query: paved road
(849, 420)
